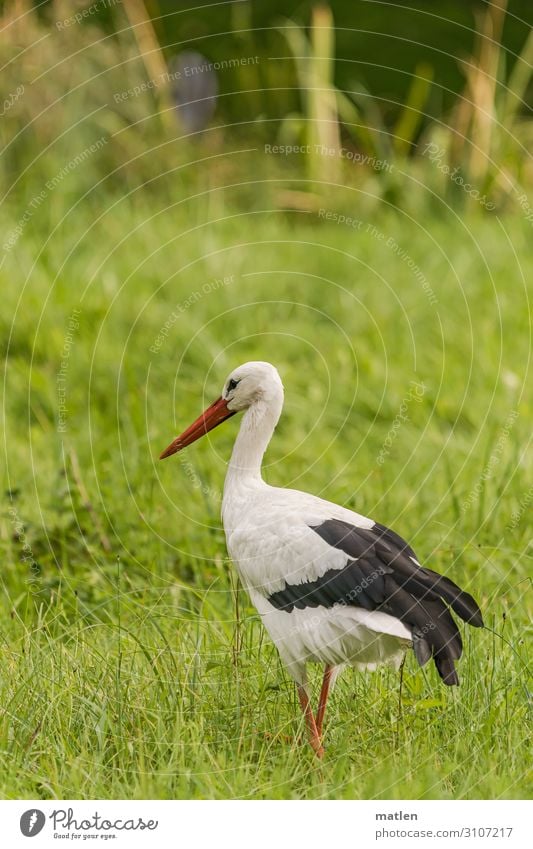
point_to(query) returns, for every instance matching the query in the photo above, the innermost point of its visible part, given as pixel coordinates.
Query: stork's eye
(232, 385)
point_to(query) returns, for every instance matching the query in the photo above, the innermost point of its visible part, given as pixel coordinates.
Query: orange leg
(323, 700)
(314, 737)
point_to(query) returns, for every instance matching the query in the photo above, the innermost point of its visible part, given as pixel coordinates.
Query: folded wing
(383, 574)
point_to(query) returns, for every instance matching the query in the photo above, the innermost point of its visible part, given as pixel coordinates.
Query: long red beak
(214, 415)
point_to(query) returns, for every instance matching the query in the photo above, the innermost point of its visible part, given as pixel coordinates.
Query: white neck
(255, 433)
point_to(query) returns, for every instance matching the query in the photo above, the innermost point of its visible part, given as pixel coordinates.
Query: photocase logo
(32, 822)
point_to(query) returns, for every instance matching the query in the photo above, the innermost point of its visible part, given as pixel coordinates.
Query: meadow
(132, 665)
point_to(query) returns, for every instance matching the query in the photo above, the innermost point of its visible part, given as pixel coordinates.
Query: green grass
(131, 663)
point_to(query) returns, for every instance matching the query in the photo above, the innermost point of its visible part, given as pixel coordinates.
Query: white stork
(331, 586)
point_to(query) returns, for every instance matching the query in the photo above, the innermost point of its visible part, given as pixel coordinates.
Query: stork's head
(251, 384)
(254, 381)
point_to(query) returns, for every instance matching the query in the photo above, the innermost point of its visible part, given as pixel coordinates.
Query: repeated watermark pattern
(26, 556)
(492, 462)
(196, 481)
(353, 156)
(389, 242)
(315, 620)
(340, 218)
(416, 393)
(11, 99)
(83, 14)
(75, 162)
(181, 308)
(185, 72)
(61, 377)
(437, 155)
(28, 214)
(402, 254)
(220, 65)
(525, 502)
(148, 85)
(349, 599)
(50, 185)
(525, 206)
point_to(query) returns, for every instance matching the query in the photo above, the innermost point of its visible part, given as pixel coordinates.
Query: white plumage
(331, 586)
(292, 553)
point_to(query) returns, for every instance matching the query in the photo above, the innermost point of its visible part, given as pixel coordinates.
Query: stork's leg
(314, 737)
(323, 700)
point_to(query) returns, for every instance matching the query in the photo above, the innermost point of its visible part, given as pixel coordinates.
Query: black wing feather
(385, 575)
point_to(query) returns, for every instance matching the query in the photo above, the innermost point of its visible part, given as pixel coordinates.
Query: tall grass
(490, 133)
(314, 58)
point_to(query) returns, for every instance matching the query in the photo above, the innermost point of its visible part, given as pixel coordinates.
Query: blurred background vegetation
(377, 80)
